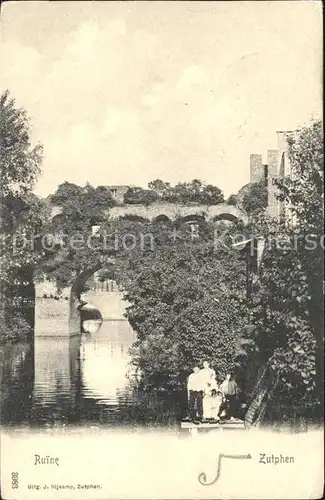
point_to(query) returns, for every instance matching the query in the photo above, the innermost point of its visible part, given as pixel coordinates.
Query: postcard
(162, 215)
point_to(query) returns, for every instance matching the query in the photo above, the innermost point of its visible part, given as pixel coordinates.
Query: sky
(128, 92)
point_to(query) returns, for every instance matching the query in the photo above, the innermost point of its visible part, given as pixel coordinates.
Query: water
(85, 379)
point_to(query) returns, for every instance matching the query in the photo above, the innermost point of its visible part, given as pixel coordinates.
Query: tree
(162, 189)
(66, 194)
(280, 319)
(197, 191)
(182, 293)
(286, 332)
(303, 192)
(232, 200)
(255, 198)
(184, 304)
(212, 195)
(22, 215)
(71, 249)
(83, 205)
(20, 162)
(139, 196)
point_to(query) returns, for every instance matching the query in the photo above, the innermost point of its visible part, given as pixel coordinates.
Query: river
(81, 380)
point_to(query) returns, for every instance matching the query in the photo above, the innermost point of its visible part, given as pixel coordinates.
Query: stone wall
(55, 316)
(278, 165)
(175, 210)
(272, 160)
(256, 170)
(52, 317)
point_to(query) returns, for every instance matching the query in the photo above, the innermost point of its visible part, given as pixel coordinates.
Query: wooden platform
(228, 424)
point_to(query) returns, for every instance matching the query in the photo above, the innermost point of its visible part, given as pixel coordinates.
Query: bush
(255, 199)
(181, 304)
(139, 196)
(232, 200)
(15, 329)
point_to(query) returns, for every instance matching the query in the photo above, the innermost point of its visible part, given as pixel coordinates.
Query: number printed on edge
(14, 480)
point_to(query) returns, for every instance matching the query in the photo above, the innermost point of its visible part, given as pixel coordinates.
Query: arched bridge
(173, 211)
(52, 314)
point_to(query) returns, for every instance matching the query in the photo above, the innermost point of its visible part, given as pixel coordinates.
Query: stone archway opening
(162, 219)
(192, 219)
(99, 287)
(226, 217)
(226, 222)
(193, 222)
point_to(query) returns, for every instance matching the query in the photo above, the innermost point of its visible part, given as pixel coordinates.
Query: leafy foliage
(195, 191)
(282, 334)
(232, 200)
(183, 292)
(163, 190)
(139, 196)
(82, 205)
(287, 309)
(255, 198)
(70, 248)
(20, 162)
(22, 212)
(14, 329)
(184, 303)
(198, 192)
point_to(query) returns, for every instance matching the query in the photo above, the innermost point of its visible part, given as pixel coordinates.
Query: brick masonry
(175, 210)
(55, 316)
(272, 163)
(256, 170)
(277, 166)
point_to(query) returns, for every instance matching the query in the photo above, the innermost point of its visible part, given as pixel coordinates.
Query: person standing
(212, 400)
(206, 372)
(195, 387)
(229, 390)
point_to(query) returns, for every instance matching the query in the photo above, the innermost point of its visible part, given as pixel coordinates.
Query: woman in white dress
(212, 399)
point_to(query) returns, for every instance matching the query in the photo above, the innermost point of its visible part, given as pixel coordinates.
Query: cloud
(112, 121)
(148, 100)
(134, 96)
(191, 76)
(117, 27)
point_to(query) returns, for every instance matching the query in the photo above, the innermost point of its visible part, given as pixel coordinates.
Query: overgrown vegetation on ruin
(187, 293)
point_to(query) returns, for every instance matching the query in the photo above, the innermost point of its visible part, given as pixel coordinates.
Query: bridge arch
(162, 218)
(193, 218)
(58, 218)
(225, 216)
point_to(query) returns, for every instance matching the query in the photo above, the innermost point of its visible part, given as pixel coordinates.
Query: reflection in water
(16, 376)
(81, 379)
(104, 360)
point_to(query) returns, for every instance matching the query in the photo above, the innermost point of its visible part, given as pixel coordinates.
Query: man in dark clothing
(229, 391)
(195, 388)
